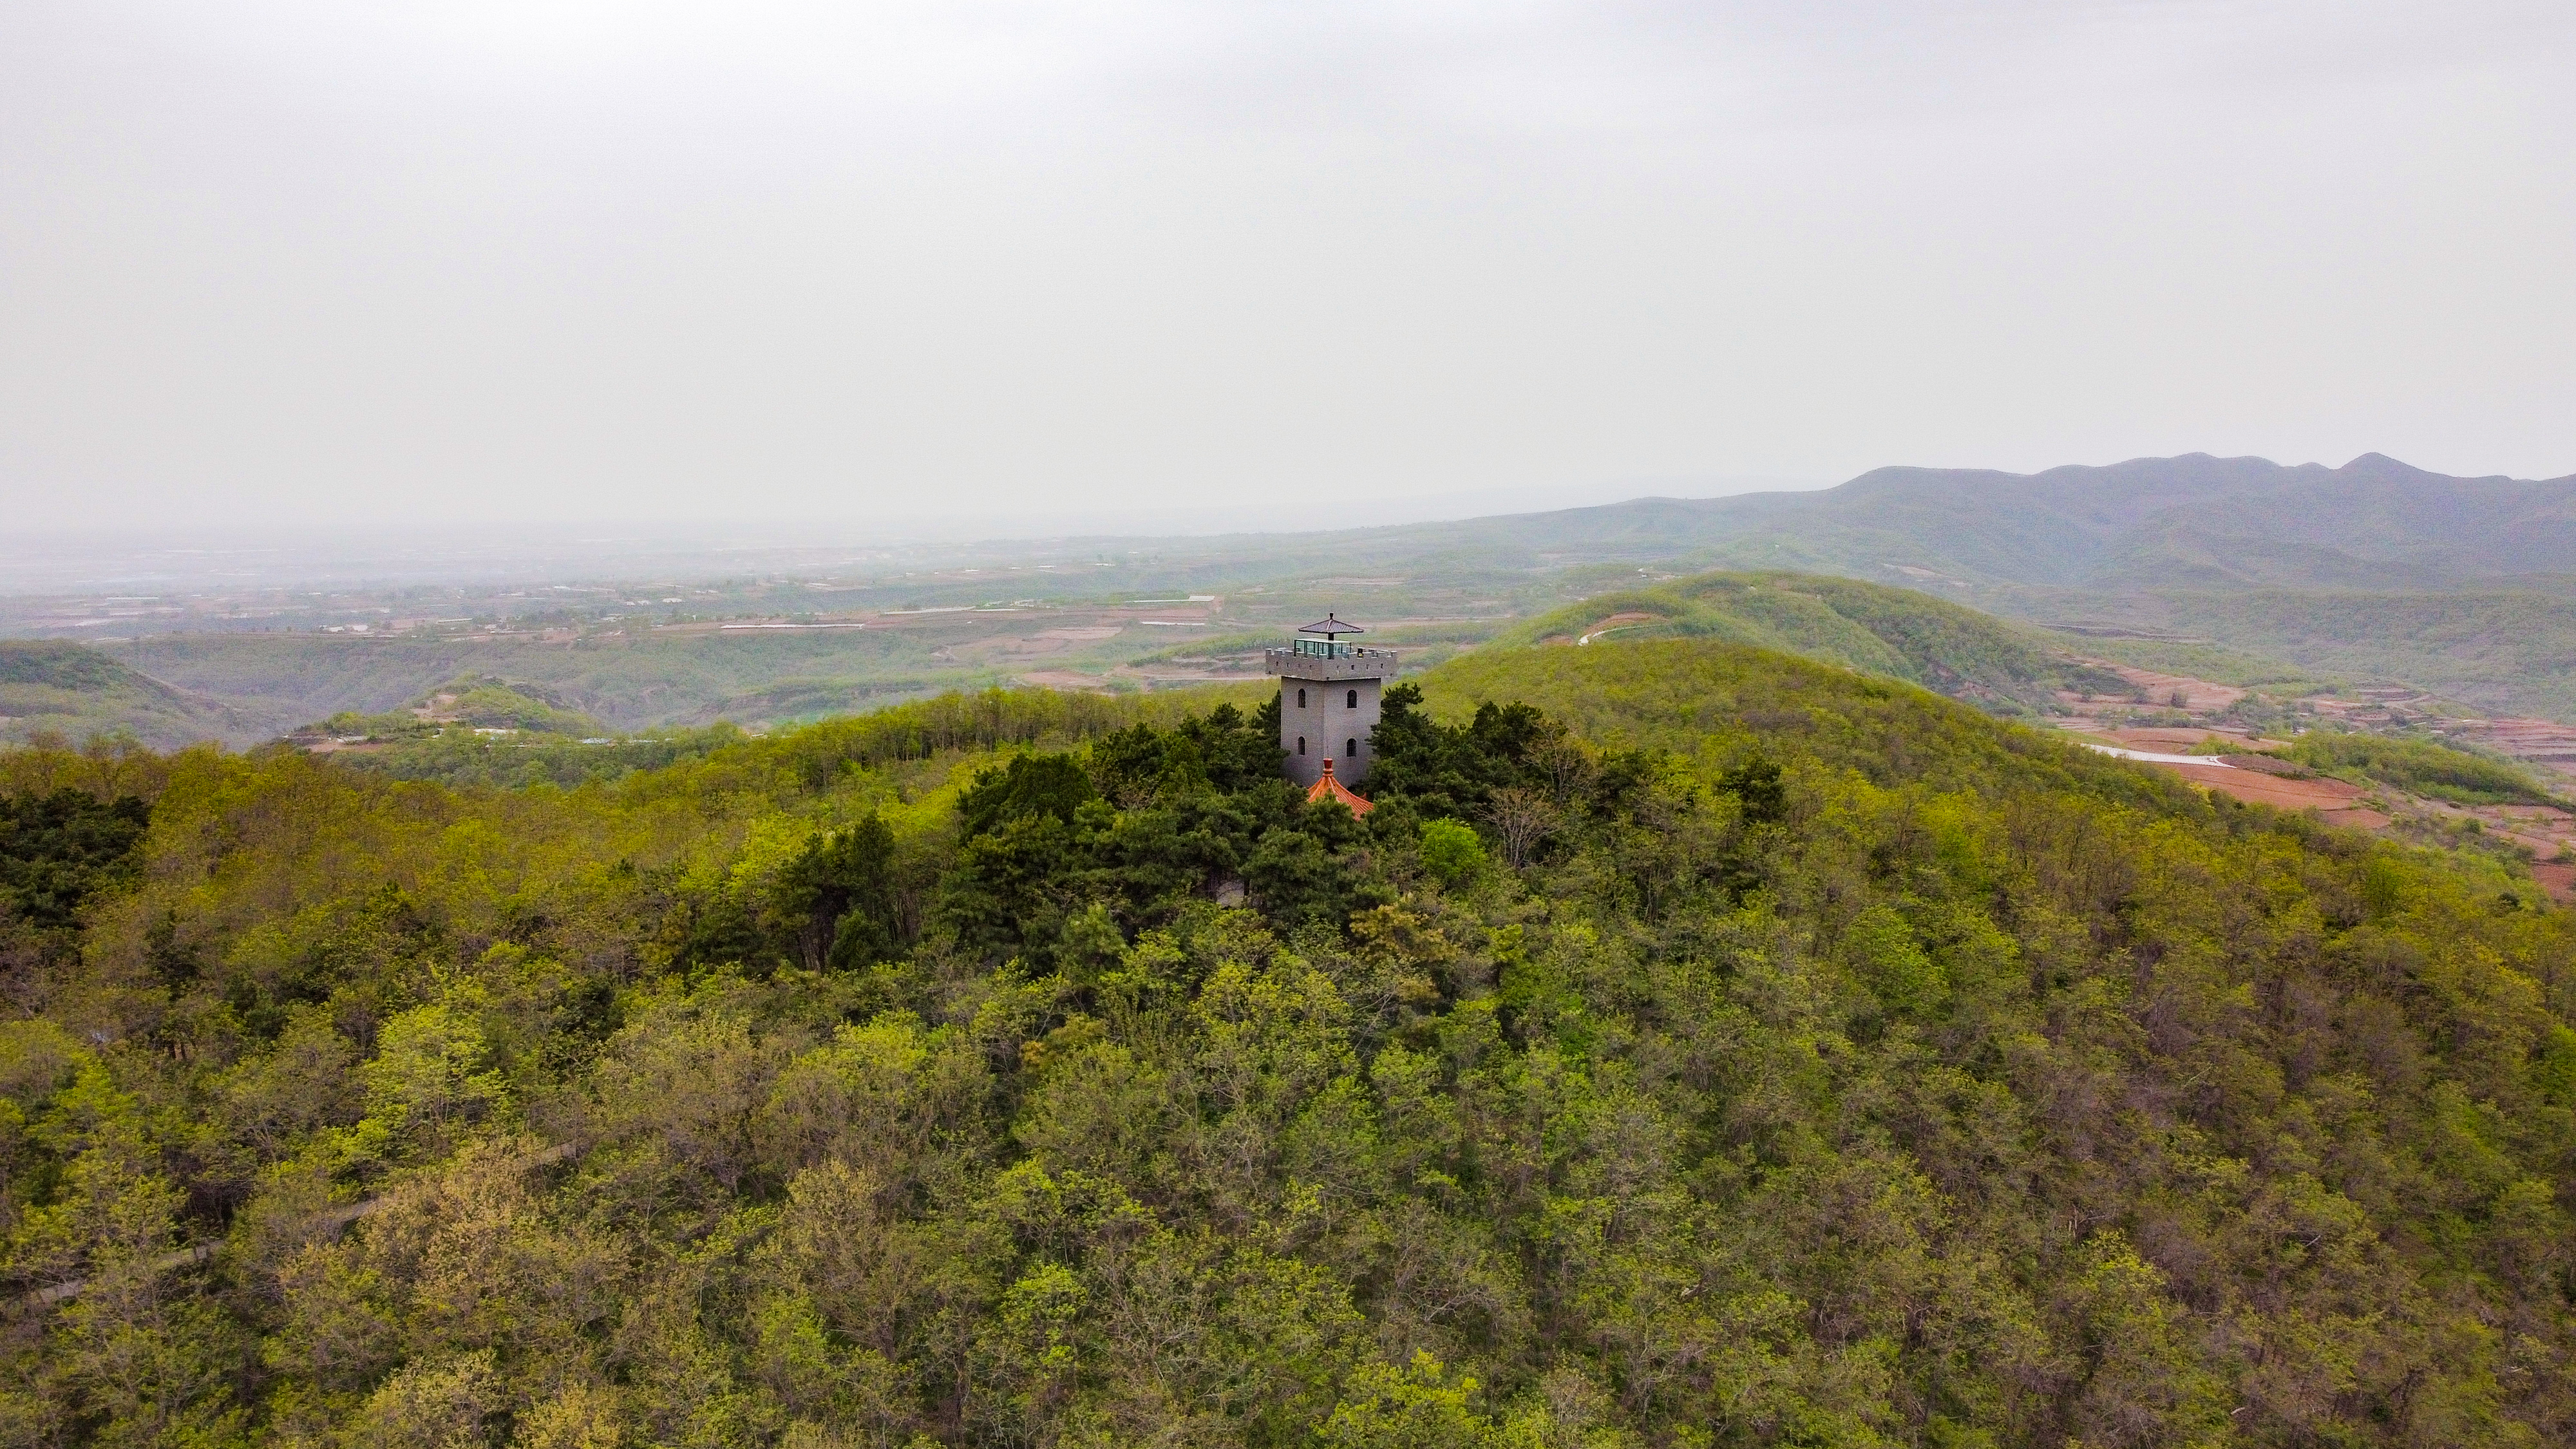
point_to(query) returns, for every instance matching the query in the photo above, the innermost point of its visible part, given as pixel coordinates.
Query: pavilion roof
(1329, 788)
(1330, 626)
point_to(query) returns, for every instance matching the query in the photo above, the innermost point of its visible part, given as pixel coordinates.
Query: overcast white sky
(395, 263)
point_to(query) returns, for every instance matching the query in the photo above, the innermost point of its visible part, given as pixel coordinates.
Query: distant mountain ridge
(2194, 521)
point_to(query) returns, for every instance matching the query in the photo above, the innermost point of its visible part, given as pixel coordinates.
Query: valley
(2112, 564)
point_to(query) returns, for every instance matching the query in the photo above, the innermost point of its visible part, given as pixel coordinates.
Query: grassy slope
(1894, 632)
(1715, 701)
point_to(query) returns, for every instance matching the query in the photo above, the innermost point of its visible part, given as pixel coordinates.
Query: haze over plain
(283, 265)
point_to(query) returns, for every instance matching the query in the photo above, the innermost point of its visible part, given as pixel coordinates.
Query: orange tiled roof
(1329, 788)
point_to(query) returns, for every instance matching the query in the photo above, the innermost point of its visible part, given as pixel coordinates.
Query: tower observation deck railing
(1332, 649)
(1328, 659)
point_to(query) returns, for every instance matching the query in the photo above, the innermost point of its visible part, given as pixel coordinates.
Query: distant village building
(1328, 703)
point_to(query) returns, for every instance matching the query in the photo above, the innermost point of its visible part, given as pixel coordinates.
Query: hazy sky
(395, 263)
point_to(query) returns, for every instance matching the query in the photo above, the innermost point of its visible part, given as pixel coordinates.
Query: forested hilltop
(1895, 633)
(1694, 1046)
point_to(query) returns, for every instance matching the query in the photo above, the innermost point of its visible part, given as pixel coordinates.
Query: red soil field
(2336, 801)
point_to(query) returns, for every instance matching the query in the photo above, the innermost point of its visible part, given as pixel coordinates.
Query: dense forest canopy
(1696, 1046)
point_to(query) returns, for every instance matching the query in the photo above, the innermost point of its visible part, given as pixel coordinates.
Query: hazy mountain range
(2372, 571)
(2149, 523)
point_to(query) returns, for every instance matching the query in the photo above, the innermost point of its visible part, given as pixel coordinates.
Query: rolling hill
(74, 691)
(1899, 633)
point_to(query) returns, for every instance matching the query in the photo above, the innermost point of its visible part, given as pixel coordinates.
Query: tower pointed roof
(1332, 628)
(1329, 788)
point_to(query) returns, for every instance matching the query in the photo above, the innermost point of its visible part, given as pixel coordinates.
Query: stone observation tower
(1328, 698)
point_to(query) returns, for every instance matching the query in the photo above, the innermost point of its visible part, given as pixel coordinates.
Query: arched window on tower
(1354, 702)
(1301, 699)
(1350, 749)
(1301, 744)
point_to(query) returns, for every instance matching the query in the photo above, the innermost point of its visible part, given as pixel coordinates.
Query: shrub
(1452, 851)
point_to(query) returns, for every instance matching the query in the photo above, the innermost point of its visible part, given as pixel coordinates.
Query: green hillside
(2505, 651)
(2218, 663)
(551, 747)
(1695, 1046)
(74, 691)
(1899, 633)
(2421, 767)
(478, 730)
(468, 702)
